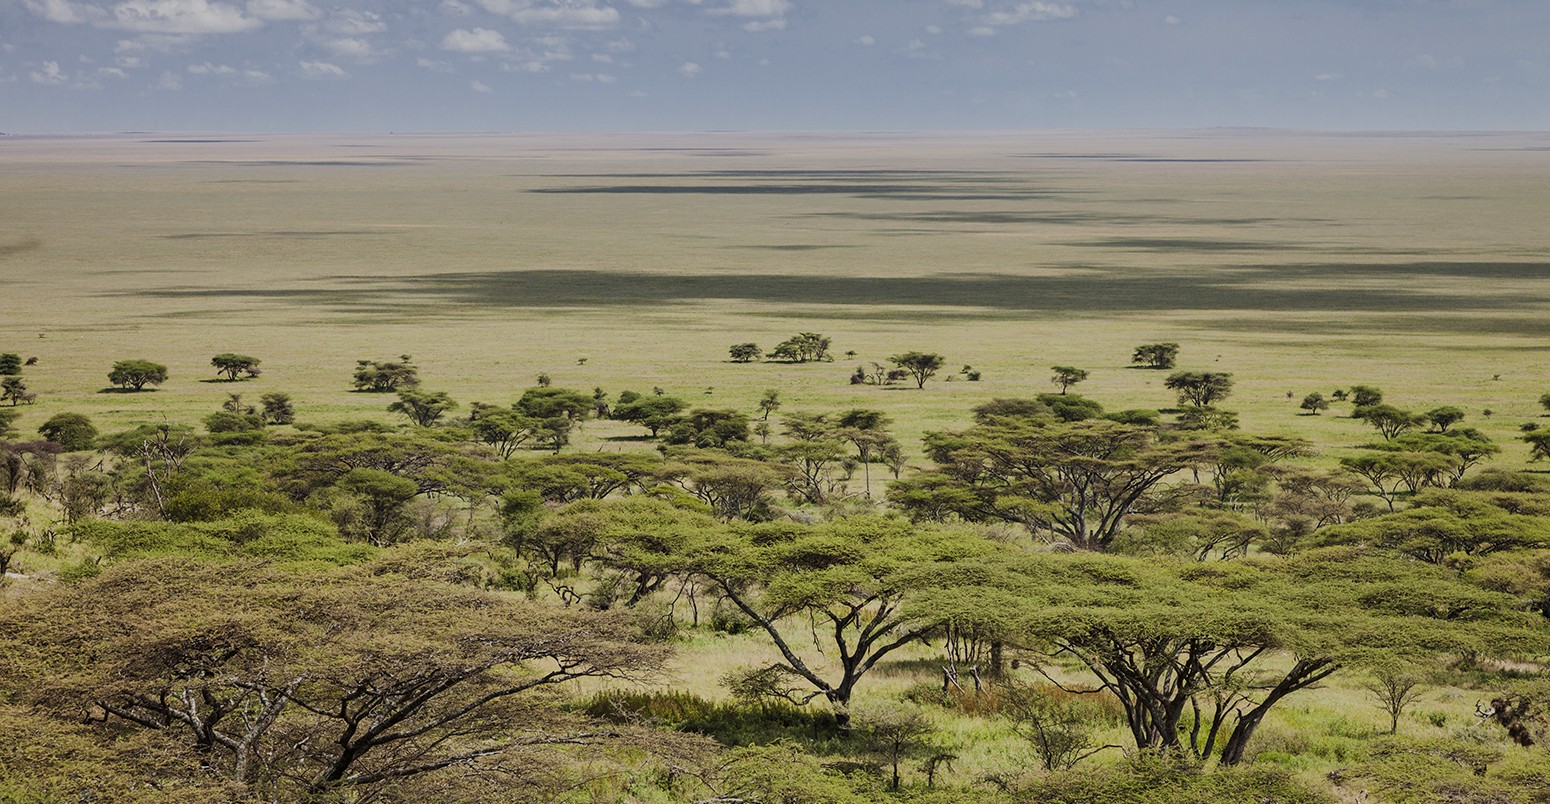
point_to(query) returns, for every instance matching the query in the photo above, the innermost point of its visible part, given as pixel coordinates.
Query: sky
(771, 65)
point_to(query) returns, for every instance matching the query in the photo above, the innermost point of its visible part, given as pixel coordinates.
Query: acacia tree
(1200, 388)
(1075, 481)
(385, 376)
(1388, 420)
(1444, 417)
(804, 347)
(1314, 403)
(276, 408)
(1194, 653)
(1067, 376)
(745, 352)
(424, 408)
(73, 431)
(1156, 355)
(134, 375)
(921, 366)
(14, 390)
(313, 687)
(232, 366)
(843, 583)
(10, 364)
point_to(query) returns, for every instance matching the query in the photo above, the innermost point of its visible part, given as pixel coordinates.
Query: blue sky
(622, 65)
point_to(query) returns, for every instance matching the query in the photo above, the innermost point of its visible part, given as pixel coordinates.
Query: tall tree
(921, 366)
(1067, 376)
(232, 366)
(1156, 355)
(1202, 389)
(136, 374)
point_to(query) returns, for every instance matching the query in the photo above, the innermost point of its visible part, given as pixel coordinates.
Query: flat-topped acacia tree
(134, 375)
(234, 367)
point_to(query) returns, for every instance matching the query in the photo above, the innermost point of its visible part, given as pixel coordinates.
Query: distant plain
(1299, 262)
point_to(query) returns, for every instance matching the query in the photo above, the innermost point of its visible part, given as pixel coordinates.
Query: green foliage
(385, 376)
(1447, 525)
(134, 375)
(1387, 419)
(708, 429)
(424, 408)
(654, 412)
(1421, 771)
(8, 423)
(223, 421)
(804, 347)
(1314, 403)
(1156, 355)
(921, 366)
(745, 352)
(1365, 396)
(14, 390)
(1150, 779)
(296, 539)
(1538, 444)
(73, 431)
(1067, 376)
(10, 363)
(1202, 389)
(276, 408)
(234, 366)
(1444, 417)
(730, 724)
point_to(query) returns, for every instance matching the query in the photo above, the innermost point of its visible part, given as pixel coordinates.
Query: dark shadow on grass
(128, 390)
(288, 234)
(1365, 296)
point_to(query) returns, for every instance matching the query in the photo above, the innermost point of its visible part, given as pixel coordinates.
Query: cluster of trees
(803, 347)
(352, 611)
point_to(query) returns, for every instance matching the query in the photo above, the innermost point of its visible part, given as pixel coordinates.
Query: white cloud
(477, 40)
(283, 10)
(480, 87)
(351, 48)
(65, 11)
(602, 58)
(689, 69)
(1328, 77)
(933, 29)
(605, 78)
(753, 8)
(434, 66)
(648, 3)
(170, 81)
(582, 77)
(1172, 20)
(49, 74)
(349, 22)
(555, 13)
(974, 4)
(113, 71)
(211, 69)
(321, 70)
(181, 17)
(777, 24)
(1036, 11)
(983, 30)
(866, 41)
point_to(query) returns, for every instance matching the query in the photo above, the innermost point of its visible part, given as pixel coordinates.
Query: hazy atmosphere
(632, 65)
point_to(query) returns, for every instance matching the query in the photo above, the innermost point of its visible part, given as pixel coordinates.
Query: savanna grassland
(1298, 263)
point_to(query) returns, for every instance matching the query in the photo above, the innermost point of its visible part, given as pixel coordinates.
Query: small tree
(276, 408)
(10, 363)
(1200, 388)
(1395, 687)
(72, 431)
(1061, 729)
(134, 375)
(13, 390)
(1314, 403)
(804, 347)
(385, 376)
(920, 365)
(424, 408)
(1544, 402)
(1067, 376)
(7, 423)
(232, 366)
(1444, 417)
(1364, 395)
(893, 731)
(745, 352)
(1388, 420)
(1156, 355)
(1539, 445)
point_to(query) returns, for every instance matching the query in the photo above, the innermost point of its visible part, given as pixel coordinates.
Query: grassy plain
(1420, 264)
(1299, 262)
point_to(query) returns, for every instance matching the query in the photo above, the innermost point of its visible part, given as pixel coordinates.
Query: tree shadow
(128, 390)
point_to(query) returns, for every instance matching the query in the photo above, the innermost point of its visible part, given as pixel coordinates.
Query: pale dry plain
(1299, 262)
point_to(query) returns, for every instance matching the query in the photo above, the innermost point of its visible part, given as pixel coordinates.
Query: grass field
(1298, 262)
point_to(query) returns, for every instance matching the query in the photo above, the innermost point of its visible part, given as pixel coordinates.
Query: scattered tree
(651, 411)
(276, 408)
(1156, 355)
(72, 431)
(14, 390)
(232, 366)
(1539, 445)
(894, 731)
(1388, 420)
(1067, 376)
(1203, 389)
(804, 347)
(1365, 395)
(1315, 403)
(136, 374)
(920, 365)
(745, 352)
(424, 408)
(385, 376)
(1444, 417)
(10, 363)
(1395, 687)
